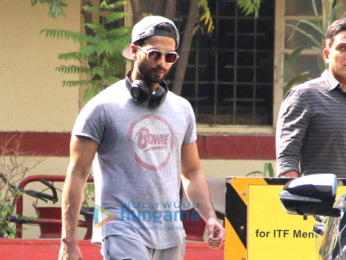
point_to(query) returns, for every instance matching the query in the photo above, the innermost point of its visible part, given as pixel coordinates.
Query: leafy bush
(101, 49)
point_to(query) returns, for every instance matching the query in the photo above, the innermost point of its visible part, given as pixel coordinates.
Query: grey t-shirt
(138, 164)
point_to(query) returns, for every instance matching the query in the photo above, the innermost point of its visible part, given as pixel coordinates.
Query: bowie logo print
(153, 140)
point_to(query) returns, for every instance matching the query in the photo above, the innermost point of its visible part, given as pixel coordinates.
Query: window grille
(229, 77)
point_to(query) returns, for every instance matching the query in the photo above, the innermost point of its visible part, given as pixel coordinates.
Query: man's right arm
(293, 122)
(82, 153)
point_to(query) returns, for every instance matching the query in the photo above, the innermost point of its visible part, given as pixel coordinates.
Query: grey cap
(146, 27)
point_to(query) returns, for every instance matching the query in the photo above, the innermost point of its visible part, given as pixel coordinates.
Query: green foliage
(267, 172)
(89, 195)
(101, 51)
(91, 9)
(7, 207)
(329, 15)
(204, 20)
(68, 35)
(249, 6)
(287, 66)
(55, 7)
(104, 49)
(112, 7)
(72, 69)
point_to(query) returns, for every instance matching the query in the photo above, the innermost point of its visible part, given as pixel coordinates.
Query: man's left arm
(196, 188)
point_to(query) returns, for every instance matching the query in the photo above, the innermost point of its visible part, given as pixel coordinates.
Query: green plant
(204, 19)
(89, 195)
(329, 15)
(55, 7)
(101, 49)
(267, 172)
(249, 6)
(7, 207)
(14, 165)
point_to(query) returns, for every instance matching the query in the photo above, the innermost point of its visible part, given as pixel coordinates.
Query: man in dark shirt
(311, 129)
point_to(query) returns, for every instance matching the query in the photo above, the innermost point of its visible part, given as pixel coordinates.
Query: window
(229, 77)
(307, 62)
(290, 12)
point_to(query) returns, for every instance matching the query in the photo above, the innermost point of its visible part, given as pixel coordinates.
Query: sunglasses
(154, 55)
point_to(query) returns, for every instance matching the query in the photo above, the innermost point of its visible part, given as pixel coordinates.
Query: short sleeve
(91, 122)
(191, 135)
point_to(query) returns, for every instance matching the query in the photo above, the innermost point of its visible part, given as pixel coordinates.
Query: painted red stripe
(209, 146)
(39, 143)
(258, 147)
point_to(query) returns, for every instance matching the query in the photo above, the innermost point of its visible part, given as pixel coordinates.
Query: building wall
(31, 90)
(32, 99)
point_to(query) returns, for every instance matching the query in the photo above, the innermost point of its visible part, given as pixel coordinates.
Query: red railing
(19, 205)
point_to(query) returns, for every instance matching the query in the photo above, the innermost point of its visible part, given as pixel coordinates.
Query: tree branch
(88, 31)
(158, 7)
(136, 10)
(171, 7)
(87, 18)
(185, 47)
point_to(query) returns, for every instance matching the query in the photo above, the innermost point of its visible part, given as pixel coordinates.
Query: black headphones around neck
(140, 92)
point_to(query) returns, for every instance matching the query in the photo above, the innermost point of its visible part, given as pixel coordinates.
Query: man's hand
(216, 233)
(70, 252)
(290, 174)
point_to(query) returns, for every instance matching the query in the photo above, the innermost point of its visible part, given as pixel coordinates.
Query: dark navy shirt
(311, 128)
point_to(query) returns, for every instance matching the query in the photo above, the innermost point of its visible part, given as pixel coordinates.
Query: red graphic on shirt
(155, 142)
(152, 137)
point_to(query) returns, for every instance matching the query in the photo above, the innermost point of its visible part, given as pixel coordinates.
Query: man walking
(141, 139)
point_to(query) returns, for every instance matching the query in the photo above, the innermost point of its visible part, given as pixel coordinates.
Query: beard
(151, 75)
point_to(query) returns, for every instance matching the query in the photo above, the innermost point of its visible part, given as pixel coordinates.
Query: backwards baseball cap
(147, 27)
